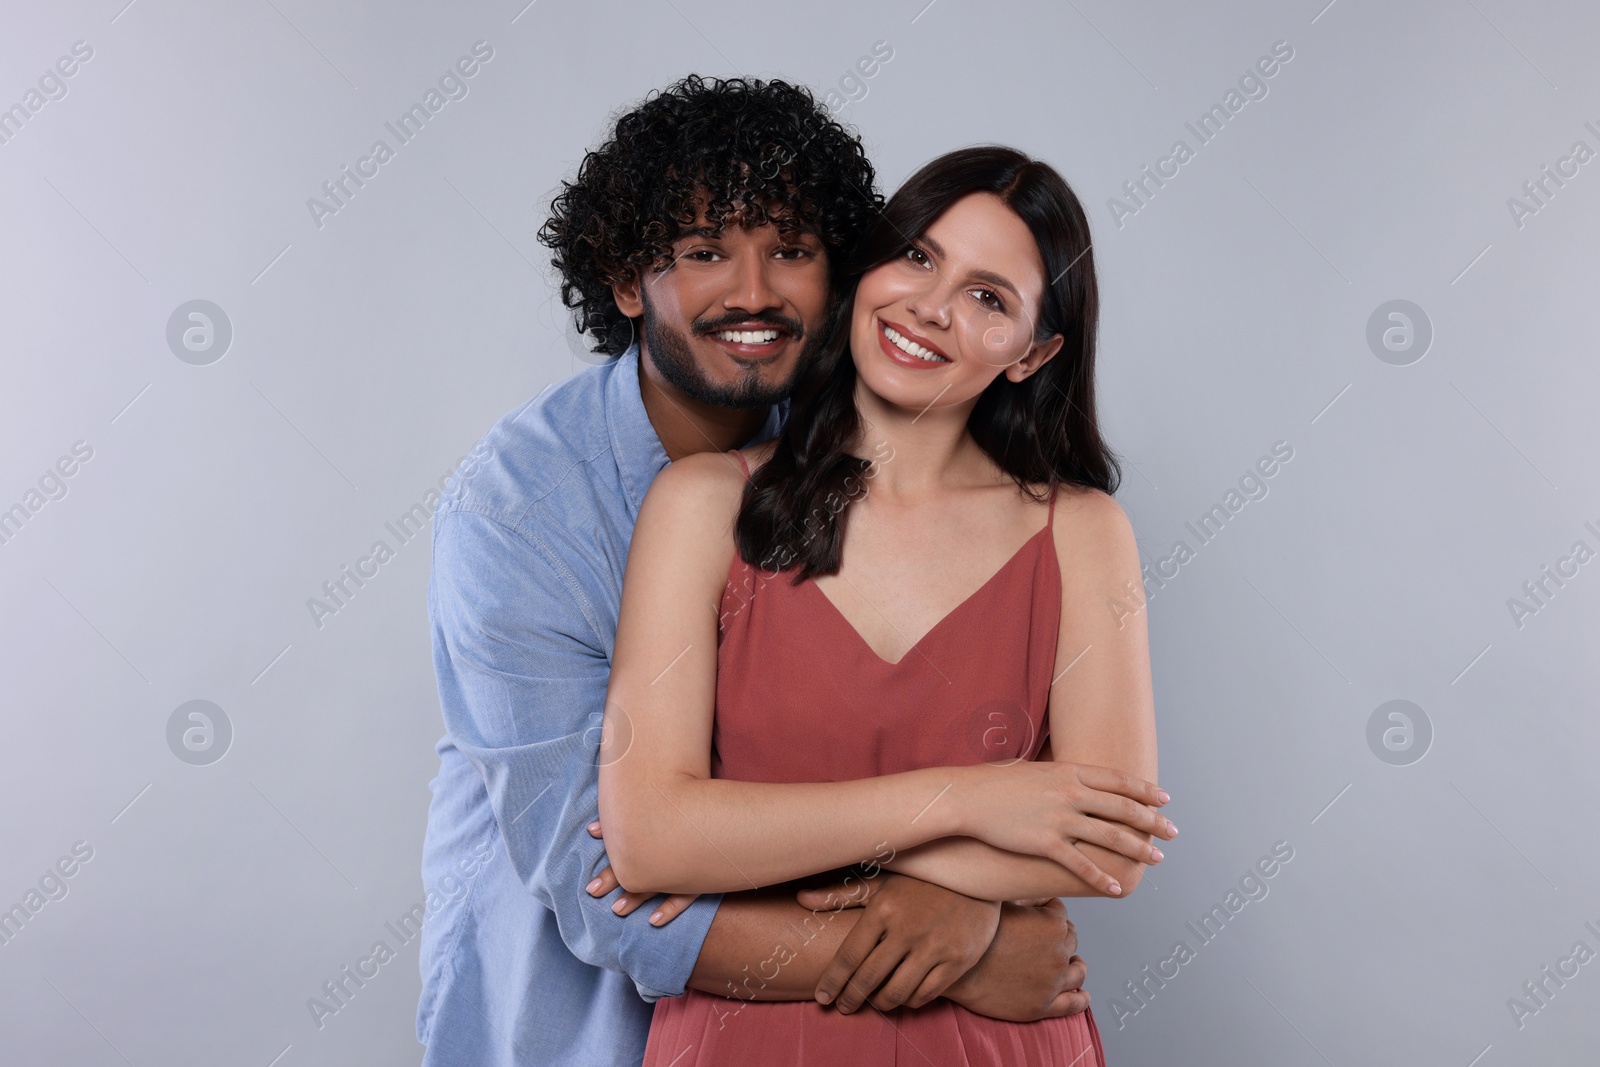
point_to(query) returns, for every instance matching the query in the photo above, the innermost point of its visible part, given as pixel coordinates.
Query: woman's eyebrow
(997, 280)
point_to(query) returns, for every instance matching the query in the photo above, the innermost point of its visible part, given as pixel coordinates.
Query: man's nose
(752, 288)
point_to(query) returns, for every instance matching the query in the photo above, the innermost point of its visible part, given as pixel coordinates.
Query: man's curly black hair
(757, 151)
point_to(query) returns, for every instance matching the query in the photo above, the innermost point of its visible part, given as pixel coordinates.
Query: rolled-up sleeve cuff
(660, 960)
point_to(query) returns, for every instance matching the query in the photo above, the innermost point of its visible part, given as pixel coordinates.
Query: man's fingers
(1072, 1002)
(903, 984)
(853, 893)
(933, 985)
(853, 951)
(671, 908)
(603, 883)
(1077, 972)
(872, 973)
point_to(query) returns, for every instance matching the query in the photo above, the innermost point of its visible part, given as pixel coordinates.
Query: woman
(875, 674)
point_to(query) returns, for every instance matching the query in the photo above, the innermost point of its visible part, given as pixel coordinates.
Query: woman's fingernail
(619, 905)
(1171, 829)
(594, 828)
(594, 886)
(1155, 854)
(1162, 793)
(655, 919)
(1116, 890)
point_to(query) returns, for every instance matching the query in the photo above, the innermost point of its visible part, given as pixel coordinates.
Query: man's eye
(703, 255)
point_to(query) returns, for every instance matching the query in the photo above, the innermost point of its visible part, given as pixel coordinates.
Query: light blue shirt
(519, 964)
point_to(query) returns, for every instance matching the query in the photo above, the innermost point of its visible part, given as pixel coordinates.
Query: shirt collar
(637, 449)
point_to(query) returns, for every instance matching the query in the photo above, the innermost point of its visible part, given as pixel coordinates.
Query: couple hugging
(807, 787)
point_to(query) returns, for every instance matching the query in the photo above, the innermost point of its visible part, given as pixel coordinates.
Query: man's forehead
(782, 220)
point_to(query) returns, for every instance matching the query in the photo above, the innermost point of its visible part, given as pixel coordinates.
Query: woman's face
(934, 326)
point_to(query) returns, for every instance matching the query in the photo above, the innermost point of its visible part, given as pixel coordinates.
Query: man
(704, 245)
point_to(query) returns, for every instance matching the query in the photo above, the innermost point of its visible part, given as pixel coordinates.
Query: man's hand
(1030, 971)
(605, 882)
(912, 942)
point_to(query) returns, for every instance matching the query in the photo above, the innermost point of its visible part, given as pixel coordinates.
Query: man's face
(732, 318)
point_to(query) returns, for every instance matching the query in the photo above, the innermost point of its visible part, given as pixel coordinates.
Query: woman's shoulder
(704, 483)
(756, 455)
(688, 514)
(1091, 528)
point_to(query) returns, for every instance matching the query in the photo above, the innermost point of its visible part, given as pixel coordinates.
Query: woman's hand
(1047, 809)
(674, 906)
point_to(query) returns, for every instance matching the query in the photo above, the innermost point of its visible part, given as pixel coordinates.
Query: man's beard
(670, 353)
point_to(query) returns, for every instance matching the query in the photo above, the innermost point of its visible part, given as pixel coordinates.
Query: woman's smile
(908, 349)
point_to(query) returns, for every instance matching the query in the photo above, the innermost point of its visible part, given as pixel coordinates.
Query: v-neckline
(864, 643)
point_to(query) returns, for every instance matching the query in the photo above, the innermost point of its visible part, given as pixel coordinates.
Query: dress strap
(740, 457)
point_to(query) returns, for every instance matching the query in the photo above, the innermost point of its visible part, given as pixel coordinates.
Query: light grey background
(369, 354)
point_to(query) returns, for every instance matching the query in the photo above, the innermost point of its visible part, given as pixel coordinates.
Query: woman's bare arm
(1102, 711)
(672, 828)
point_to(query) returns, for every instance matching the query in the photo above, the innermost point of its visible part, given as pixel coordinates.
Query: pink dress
(801, 697)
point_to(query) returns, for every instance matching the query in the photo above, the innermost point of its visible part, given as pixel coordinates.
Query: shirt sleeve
(522, 683)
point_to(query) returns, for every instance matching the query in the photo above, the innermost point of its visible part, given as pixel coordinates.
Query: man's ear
(627, 296)
(1038, 356)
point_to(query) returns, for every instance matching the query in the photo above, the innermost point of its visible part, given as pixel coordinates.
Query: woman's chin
(891, 390)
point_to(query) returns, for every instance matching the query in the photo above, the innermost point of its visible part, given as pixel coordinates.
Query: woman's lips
(902, 357)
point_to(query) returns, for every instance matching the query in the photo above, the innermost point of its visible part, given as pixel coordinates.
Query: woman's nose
(932, 306)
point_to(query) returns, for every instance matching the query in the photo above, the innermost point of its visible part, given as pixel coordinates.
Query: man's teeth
(749, 337)
(911, 347)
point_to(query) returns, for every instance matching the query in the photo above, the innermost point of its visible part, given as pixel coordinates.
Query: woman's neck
(928, 451)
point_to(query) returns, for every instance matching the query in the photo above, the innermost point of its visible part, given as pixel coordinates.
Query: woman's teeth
(911, 348)
(748, 337)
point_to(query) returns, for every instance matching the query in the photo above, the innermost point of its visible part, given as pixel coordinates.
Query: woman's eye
(917, 256)
(988, 299)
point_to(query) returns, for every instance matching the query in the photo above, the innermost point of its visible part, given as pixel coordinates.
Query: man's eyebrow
(714, 233)
(996, 280)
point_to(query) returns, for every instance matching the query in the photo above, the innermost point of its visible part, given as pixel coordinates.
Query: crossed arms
(524, 651)
(1028, 829)
(1050, 829)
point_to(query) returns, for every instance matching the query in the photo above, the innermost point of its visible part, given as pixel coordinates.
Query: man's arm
(766, 946)
(522, 681)
(522, 685)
